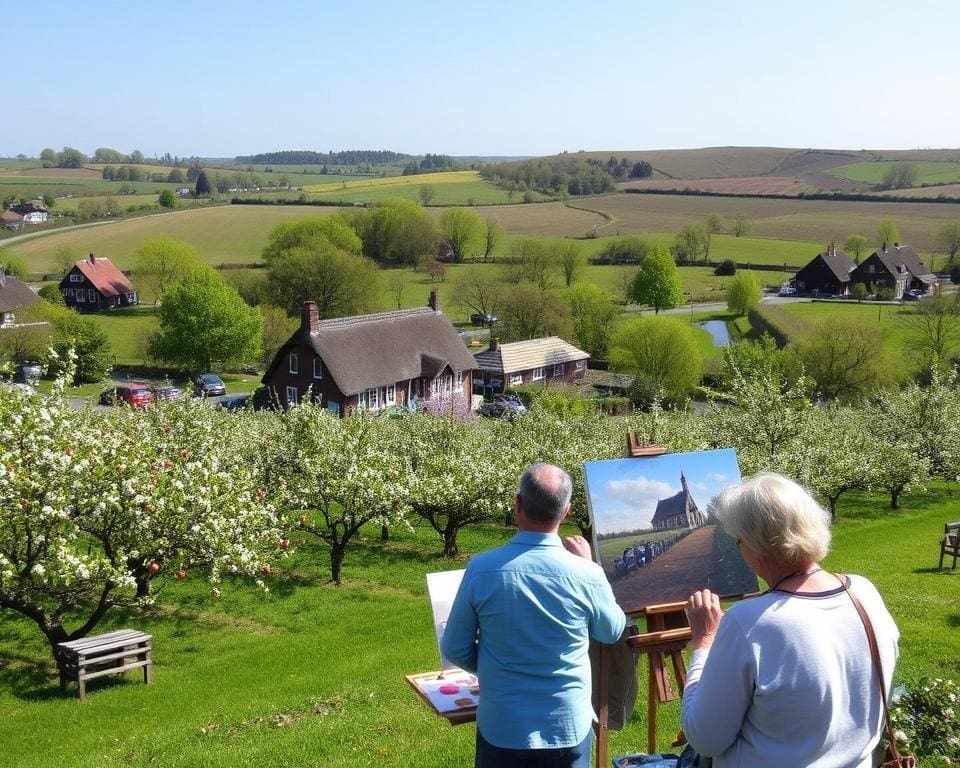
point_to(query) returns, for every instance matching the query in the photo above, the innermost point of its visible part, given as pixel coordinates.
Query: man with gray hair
(522, 621)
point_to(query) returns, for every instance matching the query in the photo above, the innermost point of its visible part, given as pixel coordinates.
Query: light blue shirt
(522, 621)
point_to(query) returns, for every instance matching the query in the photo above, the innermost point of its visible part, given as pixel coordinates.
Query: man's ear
(566, 512)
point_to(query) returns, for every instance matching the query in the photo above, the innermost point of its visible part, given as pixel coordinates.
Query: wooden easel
(667, 635)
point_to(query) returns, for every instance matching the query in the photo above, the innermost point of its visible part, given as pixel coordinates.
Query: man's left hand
(578, 546)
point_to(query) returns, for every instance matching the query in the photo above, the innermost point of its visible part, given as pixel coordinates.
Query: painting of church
(678, 511)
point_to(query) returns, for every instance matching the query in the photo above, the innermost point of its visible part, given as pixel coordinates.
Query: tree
(136, 157)
(692, 244)
(348, 473)
(845, 357)
(278, 326)
(396, 285)
(162, 262)
(13, 265)
(462, 475)
(107, 155)
(657, 283)
(426, 193)
(63, 259)
(49, 158)
(743, 293)
(641, 170)
(594, 316)
(948, 241)
(855, 245)
(478, 290)
(571, 261)
(177, 176)
(205, 324)
(492, 236)
(48, 200)
(933, 330)
(126, 497)
(464, 231)
(340, 282)
(81, 338)
(888, 232)
(529, 312)
(71, 158)
(203, 186)
(531, 260)
(310, 231)
(900, 176)
(167, 199)
(662, 348)
(859, 291)
(714, 224)
(435, 269)
(623, 250)
(740, 226)
(393, 232)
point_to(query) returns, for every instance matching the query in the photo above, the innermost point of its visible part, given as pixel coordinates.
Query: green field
(890, 319)
(311, 675)
(450, 188)
(928, 171)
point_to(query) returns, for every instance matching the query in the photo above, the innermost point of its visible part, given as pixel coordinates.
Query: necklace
(792, 575)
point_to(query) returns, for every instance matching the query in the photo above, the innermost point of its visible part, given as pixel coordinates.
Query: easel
(667, 635)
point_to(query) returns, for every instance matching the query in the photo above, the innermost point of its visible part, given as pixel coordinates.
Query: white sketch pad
(442, 587)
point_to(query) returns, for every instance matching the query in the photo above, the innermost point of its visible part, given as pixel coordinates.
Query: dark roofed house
(898, 269)
(411, 358)
(678, 511)
(30, 213)
(535, 361)
(828, 274)
(94, 283)
(14, 295)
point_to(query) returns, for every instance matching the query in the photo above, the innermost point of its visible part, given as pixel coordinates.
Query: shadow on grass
(933, 569)
(865, 505)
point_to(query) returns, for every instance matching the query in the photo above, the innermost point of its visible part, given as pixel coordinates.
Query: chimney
(92, 259)
(309, 318)
(494, 344)
(3, 276)
(897, 246)
(884, 246)
(434, 302)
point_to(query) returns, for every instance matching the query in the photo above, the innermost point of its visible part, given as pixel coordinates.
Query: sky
(623, 493)
(218, 79)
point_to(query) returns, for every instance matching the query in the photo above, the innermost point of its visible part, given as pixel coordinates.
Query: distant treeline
(623, 168)
(306, 157)
(429, 164)
(550, 176)
(855, 197)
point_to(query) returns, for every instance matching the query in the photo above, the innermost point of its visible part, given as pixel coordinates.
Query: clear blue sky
(217, 78)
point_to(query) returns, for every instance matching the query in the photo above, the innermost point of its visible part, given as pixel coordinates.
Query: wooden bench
(950, 545)
(110, 654)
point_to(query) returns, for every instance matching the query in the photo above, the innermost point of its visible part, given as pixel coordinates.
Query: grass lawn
(311, 675)
(928, 171)
(892, 320)
(450, 188)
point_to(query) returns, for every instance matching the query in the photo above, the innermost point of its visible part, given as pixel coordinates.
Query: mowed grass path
(312, 675)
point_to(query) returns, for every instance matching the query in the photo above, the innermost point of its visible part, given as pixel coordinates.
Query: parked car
(28, 373)
(787, 290)
(166, 392)
(912, 295)
(480, 319)
(135, 395)
(208, 385)
(503, 406)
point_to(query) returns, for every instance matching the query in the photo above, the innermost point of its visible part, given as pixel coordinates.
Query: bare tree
(477, 289)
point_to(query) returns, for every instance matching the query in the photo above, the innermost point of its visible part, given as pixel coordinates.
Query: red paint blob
(449, 689)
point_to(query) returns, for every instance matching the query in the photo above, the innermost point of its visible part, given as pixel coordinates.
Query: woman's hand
(704, 614)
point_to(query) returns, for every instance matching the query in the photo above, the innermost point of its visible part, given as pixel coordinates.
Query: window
(292, 395)
(391, 394)
(317, 368)
(581, 364)
(447, 384)
(92, 296)
(76, 277)
(294, 363)
(370, 399)
(558, 369)
(537, 374)
(81, 296)
(515, 379)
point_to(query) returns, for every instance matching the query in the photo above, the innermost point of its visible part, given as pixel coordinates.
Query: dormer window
(76, 277)
(294, 363)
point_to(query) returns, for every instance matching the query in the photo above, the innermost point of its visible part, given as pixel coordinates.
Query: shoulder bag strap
(875, 653)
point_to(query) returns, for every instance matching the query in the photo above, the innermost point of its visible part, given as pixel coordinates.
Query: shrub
(614, 406)
(726, 267)
(926, 719)
(644, 392)
(527, 393)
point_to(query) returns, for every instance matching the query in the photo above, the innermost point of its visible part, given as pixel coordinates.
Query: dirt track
(679, 571)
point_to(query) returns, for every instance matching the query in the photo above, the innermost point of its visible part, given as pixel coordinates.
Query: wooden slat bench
(109, 654)
(950, 544)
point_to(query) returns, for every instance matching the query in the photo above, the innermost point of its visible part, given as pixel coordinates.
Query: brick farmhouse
(94, 283)
(411, 358)
(536, 361)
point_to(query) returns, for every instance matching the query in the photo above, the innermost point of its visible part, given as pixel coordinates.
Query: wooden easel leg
(653, 699)
(603, 716)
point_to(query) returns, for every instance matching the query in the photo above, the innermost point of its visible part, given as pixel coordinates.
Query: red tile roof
(106, 278)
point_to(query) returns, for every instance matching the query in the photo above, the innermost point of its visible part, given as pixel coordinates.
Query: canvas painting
(654, 532)
(442, 587)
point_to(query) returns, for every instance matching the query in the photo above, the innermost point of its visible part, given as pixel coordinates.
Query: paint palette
(450, 691)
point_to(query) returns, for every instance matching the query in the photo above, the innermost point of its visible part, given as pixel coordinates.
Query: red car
(136, 395)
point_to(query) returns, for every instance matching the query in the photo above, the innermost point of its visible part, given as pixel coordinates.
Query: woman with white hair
(786, 678)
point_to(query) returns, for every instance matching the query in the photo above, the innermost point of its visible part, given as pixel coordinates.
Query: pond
(718, 331)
